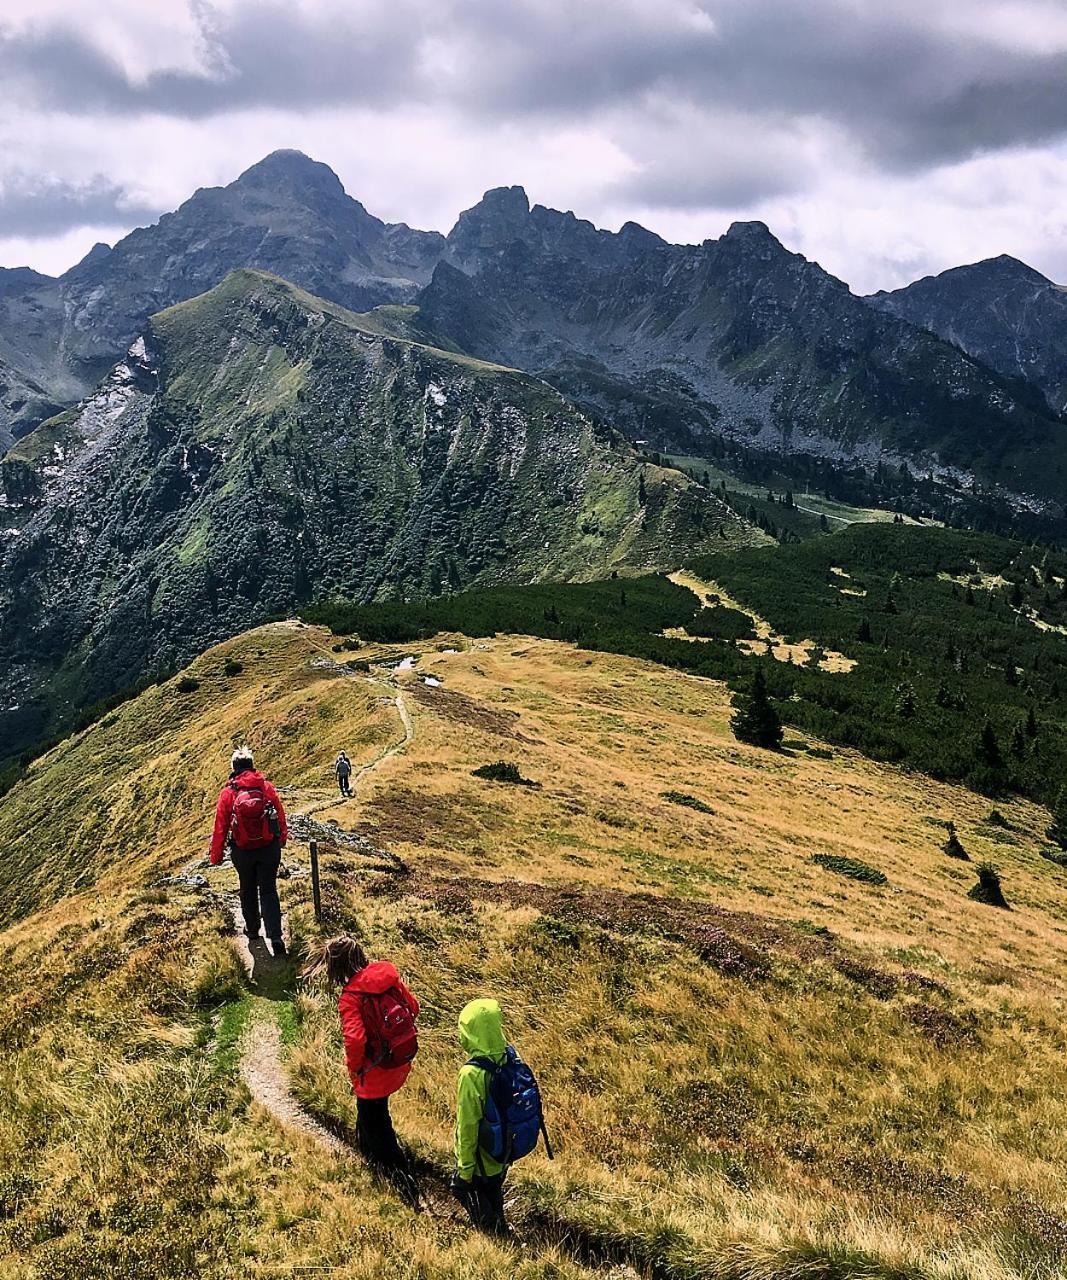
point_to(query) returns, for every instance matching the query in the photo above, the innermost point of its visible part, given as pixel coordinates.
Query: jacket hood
(377, 977)
(249, 778)
(480, 1031)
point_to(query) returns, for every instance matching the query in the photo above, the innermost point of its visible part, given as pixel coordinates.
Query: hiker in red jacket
(378, 1015)
(250, 818)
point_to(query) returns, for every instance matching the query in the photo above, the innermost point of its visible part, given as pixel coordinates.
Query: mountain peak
(291, 169)
(508, 201)
(751, 232)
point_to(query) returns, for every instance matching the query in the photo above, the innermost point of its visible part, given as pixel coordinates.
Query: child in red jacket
(378, 1015)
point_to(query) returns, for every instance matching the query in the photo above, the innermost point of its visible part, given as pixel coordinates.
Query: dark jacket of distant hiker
(369, 1081)
(250, 779)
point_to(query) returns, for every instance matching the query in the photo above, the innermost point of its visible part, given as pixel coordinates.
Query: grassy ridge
(755, 1069)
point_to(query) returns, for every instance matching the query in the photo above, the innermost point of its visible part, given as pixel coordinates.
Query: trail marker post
(316, 896)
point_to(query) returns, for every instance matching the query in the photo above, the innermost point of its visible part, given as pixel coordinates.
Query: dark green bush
(188, 684)
(501, 771)
(232, 668)
(953, 847)
(988, 888)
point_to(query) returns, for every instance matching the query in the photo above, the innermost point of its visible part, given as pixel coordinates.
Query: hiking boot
(278, 947)
(254, 937)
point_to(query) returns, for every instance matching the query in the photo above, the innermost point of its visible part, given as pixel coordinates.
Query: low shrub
(188, 684)
(232, 668)
(688, 801)
(502, 771)
(851, 867)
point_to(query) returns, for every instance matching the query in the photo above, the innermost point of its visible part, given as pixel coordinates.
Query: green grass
(853, 868)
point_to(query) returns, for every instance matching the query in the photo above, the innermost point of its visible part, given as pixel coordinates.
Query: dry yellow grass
(878, 1081)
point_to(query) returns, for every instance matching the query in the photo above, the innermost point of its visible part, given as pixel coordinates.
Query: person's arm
(223, 811)
(470, 1107)
(276, 800)
(349, 1007)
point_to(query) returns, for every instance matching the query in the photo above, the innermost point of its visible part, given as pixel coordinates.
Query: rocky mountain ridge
(735, 338)
(287, 214)
(1000, 311)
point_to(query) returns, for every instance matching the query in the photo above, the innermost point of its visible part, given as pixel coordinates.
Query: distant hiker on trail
(343, 769)
(378, 1016)
(250, 818)
(498, 1115)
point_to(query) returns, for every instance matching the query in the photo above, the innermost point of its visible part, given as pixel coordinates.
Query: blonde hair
(335, 963)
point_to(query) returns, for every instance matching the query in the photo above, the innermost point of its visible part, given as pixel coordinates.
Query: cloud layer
(886, 140)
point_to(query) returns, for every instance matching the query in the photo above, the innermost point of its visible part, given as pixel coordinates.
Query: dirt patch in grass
(451, 705)
(410, 816)
(943, 1027)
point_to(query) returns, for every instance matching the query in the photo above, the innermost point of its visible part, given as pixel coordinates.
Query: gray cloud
(40, 207)
(906, 84)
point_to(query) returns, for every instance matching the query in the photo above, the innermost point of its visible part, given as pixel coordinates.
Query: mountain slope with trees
(261, 448)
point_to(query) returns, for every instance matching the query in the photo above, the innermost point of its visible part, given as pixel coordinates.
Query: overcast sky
(885, 138)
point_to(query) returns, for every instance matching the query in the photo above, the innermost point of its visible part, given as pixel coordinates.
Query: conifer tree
(953, 847)
(989, 747)
(754, 719)
(904, 704)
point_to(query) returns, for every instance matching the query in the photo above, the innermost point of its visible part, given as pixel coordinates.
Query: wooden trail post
(316, 896)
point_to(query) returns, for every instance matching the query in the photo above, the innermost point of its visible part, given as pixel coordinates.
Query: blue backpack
(513, 1117)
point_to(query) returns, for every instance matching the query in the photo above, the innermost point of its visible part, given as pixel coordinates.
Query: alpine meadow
(537, 748)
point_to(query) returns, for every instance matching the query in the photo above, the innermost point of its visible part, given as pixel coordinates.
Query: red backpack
(254, 820)
(389, 1024)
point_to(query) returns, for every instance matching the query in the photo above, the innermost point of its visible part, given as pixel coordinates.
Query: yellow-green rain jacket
(481, 1035)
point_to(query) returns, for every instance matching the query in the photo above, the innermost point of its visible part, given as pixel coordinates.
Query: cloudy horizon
(884, 145)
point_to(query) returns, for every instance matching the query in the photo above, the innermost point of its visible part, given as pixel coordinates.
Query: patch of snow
(437, 395)
(432, 681)
(406, 664)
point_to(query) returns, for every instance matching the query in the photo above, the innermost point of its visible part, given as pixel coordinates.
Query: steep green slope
(260, 448)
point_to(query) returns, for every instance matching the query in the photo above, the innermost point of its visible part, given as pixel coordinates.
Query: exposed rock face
(737, 334)
(287, 214)
(1000, 311)
(258, 448)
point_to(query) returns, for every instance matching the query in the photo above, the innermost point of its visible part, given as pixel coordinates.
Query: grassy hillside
(757, 1066)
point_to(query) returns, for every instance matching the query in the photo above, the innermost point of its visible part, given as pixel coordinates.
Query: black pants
(257, 871)
(342, 782)
(483, 1198)
(377, 1139)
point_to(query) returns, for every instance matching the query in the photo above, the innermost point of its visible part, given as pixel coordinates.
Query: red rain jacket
(368, 1081)
(224, 810)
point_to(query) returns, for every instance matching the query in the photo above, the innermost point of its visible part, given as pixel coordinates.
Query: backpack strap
(486, 1064)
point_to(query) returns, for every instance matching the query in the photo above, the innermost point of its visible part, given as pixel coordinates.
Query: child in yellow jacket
(478, 1182)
